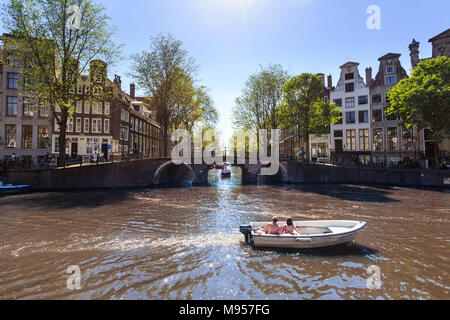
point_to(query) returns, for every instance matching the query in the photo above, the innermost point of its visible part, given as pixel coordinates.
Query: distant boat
(9, 188)
(314, 234)
(226, 173)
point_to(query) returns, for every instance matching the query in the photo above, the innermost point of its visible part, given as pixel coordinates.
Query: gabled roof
(443, 35)
(390, 56)
(349, 64)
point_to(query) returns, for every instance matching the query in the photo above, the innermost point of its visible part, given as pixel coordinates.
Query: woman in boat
(289, 228)
(273, 228)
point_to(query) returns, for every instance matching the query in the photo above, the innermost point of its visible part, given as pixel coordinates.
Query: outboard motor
(246, 230)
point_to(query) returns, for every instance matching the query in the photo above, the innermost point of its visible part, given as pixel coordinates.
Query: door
(338, 146)
(105, 151)
(74, 153)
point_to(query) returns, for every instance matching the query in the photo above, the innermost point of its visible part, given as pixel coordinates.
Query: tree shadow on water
(360, 193)
(84, 199)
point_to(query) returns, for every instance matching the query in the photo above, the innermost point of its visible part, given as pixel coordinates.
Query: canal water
(184, 243)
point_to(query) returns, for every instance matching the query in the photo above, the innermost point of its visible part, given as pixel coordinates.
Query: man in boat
(273, 228)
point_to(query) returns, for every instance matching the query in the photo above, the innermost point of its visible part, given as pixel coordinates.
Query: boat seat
(338, 229)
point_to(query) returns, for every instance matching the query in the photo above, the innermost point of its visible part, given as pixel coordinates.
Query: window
(106, 126)
(350, 76)
(107, 108)
(86, 125)
(44, 112)
(377, 115)
(338, 122)
(78, 125)
(350, 117)
(12, 106)
(349, 102)
(13, 61)
(392, 139)
(87, 107)
(42, 137)
(56, 150)
(27, 107)
(132, 123)
(13, 80)
(363, 100)
(27, 137)
(127, 116)
(80, 89)
(378, 139)
(136, 125)
(351, 140)
(122, 115)
(96, 108)
(127, 133)
(338, 102)
(10, 136)
(407, 139)
(390, 80)
(96, 125)
(364, 140)
(364, 116)
(338, 134)
(70, 125)
(89, 146)
(122, 133)
(390, 69)
(349, 87)
(388, 117)
(56, 125)
(79, 107)
(376, 98)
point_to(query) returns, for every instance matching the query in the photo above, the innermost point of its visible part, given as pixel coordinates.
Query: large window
(13, 80)
(11, 106)
(407, 139)
(362, 100)
(106, 126)
(86, 125)
(27, 107)
(390, 80)
(349, 87)
(350, 76)
(44, 112)
(107, 108)
(351, 140)
(378, 139)
(27, 137)
(78, 125)
(364, 140)
(376, 98)
(96, 108)
(392, 139)
(96, 125)
(377, 115)
(350, 117)
(10, 136)
(338, 102)
(390, 69)
(43, 137)
(363, 116)
(70, 125)
(87, 107)
(349, 102)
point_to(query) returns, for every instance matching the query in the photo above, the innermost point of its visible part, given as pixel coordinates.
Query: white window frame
(78, 124)
(86, 124)
(106, 123)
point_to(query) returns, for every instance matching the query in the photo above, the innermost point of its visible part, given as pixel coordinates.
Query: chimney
(330, 82)
(369, 76)
(117, 81)
(414, 53)
(132, 90)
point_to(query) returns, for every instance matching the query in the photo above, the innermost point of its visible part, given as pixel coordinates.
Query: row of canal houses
(366, 135)
(107, 127)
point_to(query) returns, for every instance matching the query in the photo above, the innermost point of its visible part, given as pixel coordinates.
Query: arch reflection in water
(172, 174)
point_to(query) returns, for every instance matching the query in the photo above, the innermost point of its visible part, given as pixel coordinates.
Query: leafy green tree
(167, 75)
(52, 51)
(423, 100)
(258, 106)
(303, 108)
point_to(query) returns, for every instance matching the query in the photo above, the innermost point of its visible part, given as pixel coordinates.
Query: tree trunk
(165, 142)
(62, 139)
(306, 147)
(436, 156)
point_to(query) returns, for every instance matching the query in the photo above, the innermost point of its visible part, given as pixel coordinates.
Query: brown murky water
(184, 243)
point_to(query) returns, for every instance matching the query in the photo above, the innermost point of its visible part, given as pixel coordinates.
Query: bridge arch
(170, 172)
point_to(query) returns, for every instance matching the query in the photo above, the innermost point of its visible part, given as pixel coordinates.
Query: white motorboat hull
(315, 234)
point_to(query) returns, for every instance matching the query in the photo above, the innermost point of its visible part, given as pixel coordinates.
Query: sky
(230, 39)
